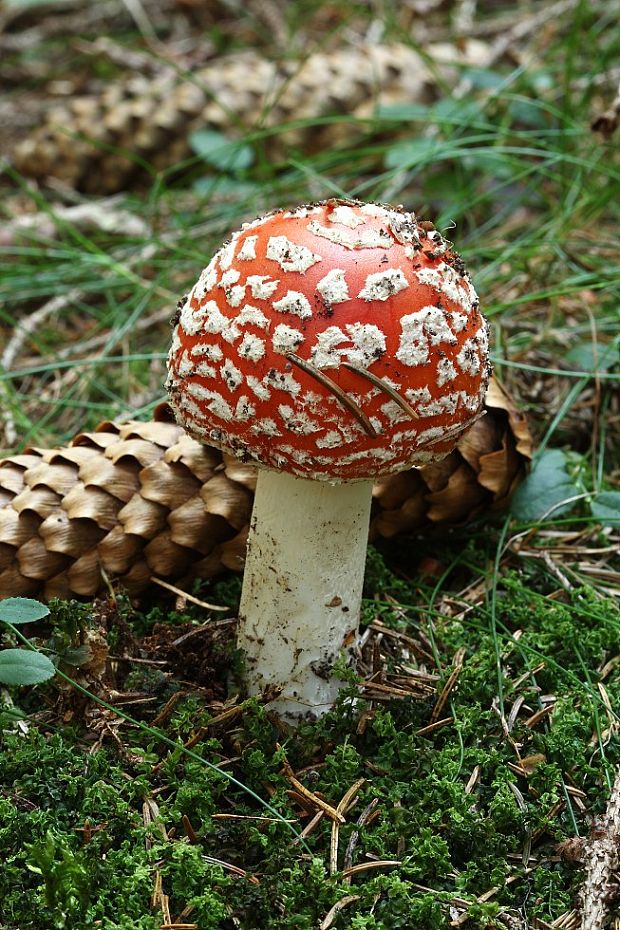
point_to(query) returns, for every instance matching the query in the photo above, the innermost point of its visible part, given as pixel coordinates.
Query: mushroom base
(302, 589)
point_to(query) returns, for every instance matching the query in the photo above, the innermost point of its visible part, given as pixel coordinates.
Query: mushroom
(330, 344)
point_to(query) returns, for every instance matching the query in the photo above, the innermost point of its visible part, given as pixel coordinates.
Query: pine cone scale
(132, 501)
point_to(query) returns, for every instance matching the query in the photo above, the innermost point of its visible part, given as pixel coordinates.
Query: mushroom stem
(302, 588)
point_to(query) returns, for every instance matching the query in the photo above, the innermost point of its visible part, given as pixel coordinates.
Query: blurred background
(135, 134)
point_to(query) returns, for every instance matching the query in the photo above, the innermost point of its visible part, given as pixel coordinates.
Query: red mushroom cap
(336, 341)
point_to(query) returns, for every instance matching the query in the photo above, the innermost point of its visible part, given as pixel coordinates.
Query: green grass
(513, 167)
(86, 795)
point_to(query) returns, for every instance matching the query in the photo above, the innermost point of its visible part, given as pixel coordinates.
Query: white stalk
(302, 588)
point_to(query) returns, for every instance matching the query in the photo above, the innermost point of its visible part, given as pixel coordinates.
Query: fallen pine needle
(449, 685)
(231, 868)
(179, 927)
(247, 817)
(341, 809)
(164, 903)
(186, 596)
(338, 906)
(369, 813)
(310, 827)
(374, 864)
(314, 799)
(434, 726)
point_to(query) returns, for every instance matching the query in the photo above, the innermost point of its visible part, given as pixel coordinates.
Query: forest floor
(465, 776)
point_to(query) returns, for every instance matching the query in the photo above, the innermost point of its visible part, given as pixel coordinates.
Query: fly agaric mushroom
(330, 344)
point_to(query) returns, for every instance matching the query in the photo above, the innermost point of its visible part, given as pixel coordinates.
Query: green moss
(452, 807)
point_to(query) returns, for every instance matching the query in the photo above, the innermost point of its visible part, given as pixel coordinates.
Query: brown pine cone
(133, 501)
(100, 143)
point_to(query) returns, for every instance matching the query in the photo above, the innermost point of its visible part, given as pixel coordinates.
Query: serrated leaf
(24, 667)
(606, 508)
(18, 610)
(224, 154)
(544, 489)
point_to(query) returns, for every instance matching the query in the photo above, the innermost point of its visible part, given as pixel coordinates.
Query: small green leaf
(224, 154)
(224, 186)
(591, 356)
(410, 153)
(545, 489)
(18, 610)
(483, 78)
(403, 112)
(144, 754)
(606, 508)
(489, 163)
(24, 667)
(457, 112)
(77, 655)
(528, 112)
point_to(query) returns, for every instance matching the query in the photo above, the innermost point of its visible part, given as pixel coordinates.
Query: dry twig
(334, 910)
(342, 808)
(308, 795)
(601, 860)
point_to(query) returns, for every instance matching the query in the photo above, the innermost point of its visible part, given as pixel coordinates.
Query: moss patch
(488, 747)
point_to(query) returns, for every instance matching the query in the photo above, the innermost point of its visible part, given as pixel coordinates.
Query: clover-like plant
(23, 666)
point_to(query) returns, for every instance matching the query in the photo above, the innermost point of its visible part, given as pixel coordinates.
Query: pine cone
(100, 144)
(133, 501)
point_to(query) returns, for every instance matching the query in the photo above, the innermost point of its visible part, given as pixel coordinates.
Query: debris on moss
(444, 790)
